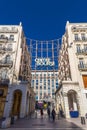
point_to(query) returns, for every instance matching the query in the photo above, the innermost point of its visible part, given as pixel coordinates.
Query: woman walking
(53, 114)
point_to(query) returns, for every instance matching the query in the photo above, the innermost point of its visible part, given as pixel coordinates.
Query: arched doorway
(72, 100)
(3, 95)
(17, 96)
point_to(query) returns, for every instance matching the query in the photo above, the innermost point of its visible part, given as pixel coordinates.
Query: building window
(36, 83)
(7, 59)
(9, 47)
(32, 83)
(2, 36)
(56, 83)
(0, 46)
(44, 75)
(4, 75)
(40, 75)
(48, 75)
(40, 87)
(53, 93)
(78, 48)
(56, 86)
(76, 37)
(81, 63)
(11, 37)
(52, 82)
(40, 80)
(49, 87)
(44, 87)
(85, 47)
(83, 36)
(52, 86)
(36, 87)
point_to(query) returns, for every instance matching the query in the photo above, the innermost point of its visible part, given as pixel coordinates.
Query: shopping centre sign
(44, 62)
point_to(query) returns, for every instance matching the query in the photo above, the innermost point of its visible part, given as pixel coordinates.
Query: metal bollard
(83, 121)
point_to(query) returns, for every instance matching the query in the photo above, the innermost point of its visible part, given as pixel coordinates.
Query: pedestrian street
(35, 122)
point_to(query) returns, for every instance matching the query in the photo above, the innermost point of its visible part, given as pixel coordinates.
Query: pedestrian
(48, 112)
(41, 112)
(53, 114)
(61, 113)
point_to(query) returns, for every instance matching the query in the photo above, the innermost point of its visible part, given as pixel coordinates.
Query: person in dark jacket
(48, 112)
(53, 114)
(41, 112)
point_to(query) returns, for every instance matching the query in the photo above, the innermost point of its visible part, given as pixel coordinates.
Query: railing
(83, 51)
(77, 39)
(4, 81)
(82, 67)
(6, 63)
(5, 49)
(3, 39)
(80, 40)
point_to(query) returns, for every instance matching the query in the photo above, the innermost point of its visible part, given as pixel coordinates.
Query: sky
(42, 19)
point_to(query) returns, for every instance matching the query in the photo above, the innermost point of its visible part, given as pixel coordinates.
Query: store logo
(44, 62)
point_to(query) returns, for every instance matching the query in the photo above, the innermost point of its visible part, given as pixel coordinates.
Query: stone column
(23, 106)
(66, 105)
(27, 104)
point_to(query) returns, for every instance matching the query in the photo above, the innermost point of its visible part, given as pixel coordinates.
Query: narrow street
(38, 123)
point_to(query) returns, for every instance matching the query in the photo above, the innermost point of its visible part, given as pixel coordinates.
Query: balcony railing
(5, 49)
(4, 81)
(3, 39)
(6, 63)
(80, 40)
(83, 51)
(82, 67)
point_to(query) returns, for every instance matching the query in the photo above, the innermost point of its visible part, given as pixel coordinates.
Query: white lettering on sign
(44, 62)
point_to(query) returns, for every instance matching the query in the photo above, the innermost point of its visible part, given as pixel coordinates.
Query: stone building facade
(16, 93)
(45, 84)
(72, 78)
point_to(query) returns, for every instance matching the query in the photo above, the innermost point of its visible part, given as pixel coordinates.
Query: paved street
(46, 124)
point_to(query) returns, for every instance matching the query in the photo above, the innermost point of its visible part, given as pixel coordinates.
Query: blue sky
(43, 19)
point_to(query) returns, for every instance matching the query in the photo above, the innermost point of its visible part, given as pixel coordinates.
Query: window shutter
(85, 80)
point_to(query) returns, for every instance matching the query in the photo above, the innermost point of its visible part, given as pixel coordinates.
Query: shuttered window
(85, 80)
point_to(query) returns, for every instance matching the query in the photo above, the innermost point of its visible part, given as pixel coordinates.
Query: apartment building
(45, 84)
(16, 93)
(72, 70)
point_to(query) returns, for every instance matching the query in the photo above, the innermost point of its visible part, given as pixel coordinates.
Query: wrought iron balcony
(77, 39)
(80, 39)
(4, 80)
(3, 49)
(84, 39)
(6, 63)
(80, 52)
(82, 67)
(3, 39)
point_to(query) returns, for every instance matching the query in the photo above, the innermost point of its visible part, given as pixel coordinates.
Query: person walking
(48, 112)
(53, 114)
(41, 112)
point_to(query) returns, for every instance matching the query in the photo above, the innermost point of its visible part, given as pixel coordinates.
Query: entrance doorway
(72, 100)
(3, 94)
(17, 96)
